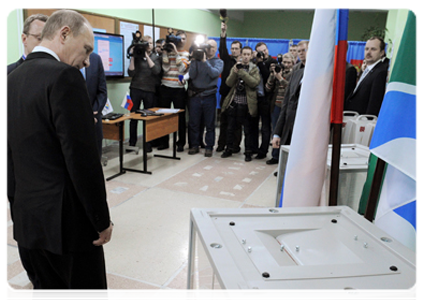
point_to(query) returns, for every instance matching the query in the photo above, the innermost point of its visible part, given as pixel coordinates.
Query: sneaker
(209, 153)
(248, 157)
(260, 156)
(194, 150)
(272, 161)
(226, 154)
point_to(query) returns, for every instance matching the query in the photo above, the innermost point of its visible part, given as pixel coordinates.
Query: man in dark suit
(56, 185)
(31, 37)
(97, 91)
(368, 94)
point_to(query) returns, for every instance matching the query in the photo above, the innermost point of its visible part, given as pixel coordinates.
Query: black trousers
(138, 96)
(239, 117)
(263, 107)
(82, 270)
(179, 97)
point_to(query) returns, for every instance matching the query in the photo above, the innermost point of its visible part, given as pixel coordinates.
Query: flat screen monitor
(110, 48)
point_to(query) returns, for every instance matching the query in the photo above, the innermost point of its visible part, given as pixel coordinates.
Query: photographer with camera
(175, 62)
(229, 61)
(144, 68)
(280, 75)
(263, 61)
(204, 73)
(241, 101)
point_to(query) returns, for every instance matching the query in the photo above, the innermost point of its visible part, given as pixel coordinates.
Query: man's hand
(223, 29)
(104, 236)
(95, 119)
(276, 141)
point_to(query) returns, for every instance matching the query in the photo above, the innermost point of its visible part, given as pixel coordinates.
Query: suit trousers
(137, 97)
(177, 96)
(77, 270)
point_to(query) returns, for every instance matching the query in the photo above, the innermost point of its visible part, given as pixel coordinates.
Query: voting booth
(353, 167)
(294, 248)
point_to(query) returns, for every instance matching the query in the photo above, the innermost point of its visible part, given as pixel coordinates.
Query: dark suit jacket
(14, 65)
(350, 80)
(97, 91)
(285, 123)
(368, 97)
(55, 180)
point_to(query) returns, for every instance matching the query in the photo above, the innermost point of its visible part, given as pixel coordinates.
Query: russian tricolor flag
(127, 102)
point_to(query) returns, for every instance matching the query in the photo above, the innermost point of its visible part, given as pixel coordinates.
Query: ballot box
(294, 248)
(353, 167)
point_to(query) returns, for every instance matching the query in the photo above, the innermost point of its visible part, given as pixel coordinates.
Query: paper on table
(167, 110)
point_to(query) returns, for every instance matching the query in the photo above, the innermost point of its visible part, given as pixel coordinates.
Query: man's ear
(24, 38)
(65, 32)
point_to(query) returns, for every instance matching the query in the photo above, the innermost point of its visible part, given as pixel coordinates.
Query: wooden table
(153, 128)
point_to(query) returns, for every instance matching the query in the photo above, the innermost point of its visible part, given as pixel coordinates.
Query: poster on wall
(126, 29)
(148, 30)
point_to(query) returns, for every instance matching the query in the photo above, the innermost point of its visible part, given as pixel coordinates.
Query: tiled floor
(149, 247)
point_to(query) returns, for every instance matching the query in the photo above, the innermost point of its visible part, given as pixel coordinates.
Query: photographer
(263, 61)
(229, 61)
(241, 102)
(280, 75)
(144, 68)
(204, 73)
(175, 62)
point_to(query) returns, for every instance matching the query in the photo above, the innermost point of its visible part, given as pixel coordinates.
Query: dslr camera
(199, 51)
(171, 39)
(279, 67)
(139, 47)
(260, 54)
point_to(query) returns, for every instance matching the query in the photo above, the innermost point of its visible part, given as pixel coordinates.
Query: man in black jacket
(56, 184)
(31, 37)
(228, 62)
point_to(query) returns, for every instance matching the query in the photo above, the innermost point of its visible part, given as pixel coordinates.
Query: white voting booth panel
(352, 173)
(294, 248)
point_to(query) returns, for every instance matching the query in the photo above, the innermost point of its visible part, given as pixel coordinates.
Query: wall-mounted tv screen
(110, 48)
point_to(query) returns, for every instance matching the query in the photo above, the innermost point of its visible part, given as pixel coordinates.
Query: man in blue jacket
(204, 75)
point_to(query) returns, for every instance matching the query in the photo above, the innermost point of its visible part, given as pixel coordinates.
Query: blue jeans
(202, 108)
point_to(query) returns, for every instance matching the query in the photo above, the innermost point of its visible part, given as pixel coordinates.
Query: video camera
(198, 52)
(139, 47)
(171, 39)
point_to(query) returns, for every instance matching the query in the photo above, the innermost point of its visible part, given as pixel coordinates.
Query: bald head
(213, 48)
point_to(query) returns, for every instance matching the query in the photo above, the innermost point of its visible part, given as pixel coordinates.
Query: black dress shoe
(236, 150)
(220, 148)
(276, 174)
(248, 157)
(180, 149)
(194, 150)
(272, 161)
(226, 154)
(163, 147)
(260, 156)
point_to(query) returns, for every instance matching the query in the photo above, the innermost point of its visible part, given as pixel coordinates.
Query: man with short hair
(56, 184)
(229, 60)
(368, 94)
(302, 55)
(31, 37)
(241, 101)
(263, 61)
(174, 63)
(203, 75)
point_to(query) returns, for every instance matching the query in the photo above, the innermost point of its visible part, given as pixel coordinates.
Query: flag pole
(338, 100)
(375, 190)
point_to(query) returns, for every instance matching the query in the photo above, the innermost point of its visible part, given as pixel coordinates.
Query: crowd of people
(58, 200)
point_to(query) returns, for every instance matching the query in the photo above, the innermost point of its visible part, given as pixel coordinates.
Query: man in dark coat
(31, 37)
(368, 94)
(56, 185)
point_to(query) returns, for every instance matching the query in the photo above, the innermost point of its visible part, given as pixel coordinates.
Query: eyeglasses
(37, 36)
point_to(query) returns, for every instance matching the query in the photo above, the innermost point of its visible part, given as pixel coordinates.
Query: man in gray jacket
(204, 75)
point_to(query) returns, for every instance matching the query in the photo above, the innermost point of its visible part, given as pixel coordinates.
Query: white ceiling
(238, 13)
